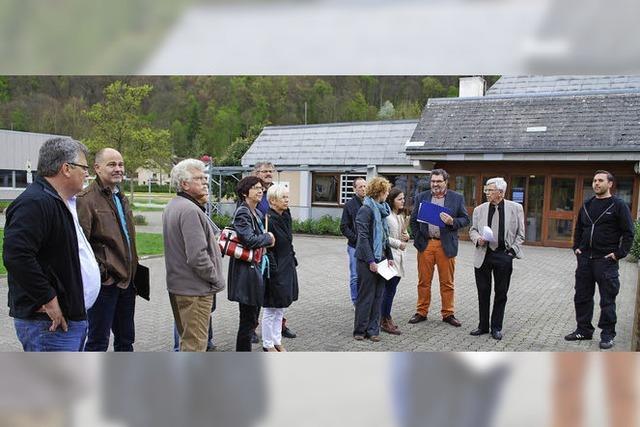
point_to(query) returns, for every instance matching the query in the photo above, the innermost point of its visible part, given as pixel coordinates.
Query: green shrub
(221, 221)
(4, 205)
(140, 220)
(155, 188)
(635, 248)
(326, 225)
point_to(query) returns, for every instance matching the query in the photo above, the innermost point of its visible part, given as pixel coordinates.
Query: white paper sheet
(487, 234)
(385, 271)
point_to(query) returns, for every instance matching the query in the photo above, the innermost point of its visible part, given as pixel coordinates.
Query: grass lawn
(146, 208)
(147, 244)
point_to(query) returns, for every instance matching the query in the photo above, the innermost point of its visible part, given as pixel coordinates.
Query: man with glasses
(52, 272)
(107, 221)
(438, 246)
(495, 252)
(192, 257)
(264, 171)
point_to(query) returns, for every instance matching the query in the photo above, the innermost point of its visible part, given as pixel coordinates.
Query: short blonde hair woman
(372, 248)
(281, 285)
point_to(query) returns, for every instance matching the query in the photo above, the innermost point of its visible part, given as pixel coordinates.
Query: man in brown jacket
(107, 222)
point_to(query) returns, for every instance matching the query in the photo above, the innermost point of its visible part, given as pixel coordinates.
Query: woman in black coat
(281, 285)
(245, 283)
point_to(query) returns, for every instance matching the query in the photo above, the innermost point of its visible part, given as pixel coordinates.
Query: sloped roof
(19, 147)
(333, 144)
(522, 85)
(536, 114)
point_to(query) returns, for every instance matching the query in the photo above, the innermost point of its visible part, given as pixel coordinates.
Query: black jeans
(113, 311)
(604, 272)
(369, 301)
(248, 323)
(500, 264)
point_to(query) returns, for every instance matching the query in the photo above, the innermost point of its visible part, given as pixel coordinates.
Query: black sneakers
(606, 344)
(577, 336)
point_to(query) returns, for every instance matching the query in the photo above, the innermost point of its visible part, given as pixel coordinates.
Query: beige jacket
(513, 232)
(397, 224)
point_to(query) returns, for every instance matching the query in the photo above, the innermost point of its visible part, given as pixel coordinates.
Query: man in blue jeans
(107, 221)
(348, 230)
(52, 273)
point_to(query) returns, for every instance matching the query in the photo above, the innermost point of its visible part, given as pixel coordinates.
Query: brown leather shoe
(280, 348)
(451, 319)
(386, 326)
(374, 338)
(396, 330)
(358, 337)
(417, 318)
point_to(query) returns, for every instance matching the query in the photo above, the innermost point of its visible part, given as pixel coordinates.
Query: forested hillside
(191, 116)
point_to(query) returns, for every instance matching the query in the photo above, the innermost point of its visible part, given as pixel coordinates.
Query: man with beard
(438, 246)
(603, 236)
(107, 221)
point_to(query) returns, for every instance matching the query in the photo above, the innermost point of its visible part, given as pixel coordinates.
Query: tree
(387, 111)
(357, 109)
(408, 110)
(432, 88)
(5, 95)
(118, 122)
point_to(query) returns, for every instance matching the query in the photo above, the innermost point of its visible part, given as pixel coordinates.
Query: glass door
(560, 208)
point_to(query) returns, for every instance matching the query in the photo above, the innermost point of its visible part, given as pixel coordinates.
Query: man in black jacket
(603, 235)
(348, 230)
(52, 272)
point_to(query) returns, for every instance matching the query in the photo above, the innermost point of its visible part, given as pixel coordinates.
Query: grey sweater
(191, 254)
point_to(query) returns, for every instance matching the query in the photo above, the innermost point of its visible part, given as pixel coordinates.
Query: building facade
(546, 136)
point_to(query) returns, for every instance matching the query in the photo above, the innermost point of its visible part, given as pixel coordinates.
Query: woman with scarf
(372, 248)
(245, 281)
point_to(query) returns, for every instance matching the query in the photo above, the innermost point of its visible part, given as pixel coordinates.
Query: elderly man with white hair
(192, 257)
(497, 230)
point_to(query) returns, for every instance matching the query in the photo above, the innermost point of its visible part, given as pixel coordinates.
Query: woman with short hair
(372, 248)
(281, 284)
(245, 283)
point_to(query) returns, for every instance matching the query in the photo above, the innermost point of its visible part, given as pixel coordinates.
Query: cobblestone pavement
(539, 311)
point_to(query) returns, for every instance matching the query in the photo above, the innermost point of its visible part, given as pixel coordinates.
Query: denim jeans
(34, 335)
(390, 287)
(353, 274)
(113, 311)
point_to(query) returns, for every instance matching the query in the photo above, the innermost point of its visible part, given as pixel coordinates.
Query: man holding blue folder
(436, 239)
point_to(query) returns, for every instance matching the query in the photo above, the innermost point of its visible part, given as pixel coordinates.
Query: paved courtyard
(539, 311)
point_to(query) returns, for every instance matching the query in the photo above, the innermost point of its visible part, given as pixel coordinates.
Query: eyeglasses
(257, 187)
(199, 178)
(266, 171)
(489, 190)
(84, 167)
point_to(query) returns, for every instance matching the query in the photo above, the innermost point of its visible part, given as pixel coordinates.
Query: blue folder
(430, 213)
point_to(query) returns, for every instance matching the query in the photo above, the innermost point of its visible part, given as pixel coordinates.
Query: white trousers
(272, 326)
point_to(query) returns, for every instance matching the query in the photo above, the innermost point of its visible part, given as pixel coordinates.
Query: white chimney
(472, 86)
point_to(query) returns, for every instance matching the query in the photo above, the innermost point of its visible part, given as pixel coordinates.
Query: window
(6, 178)
(346, 187)
(333, 189)
(325, 188)
(466, 185)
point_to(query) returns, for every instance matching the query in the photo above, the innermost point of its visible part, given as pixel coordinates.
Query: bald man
(107, 221)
